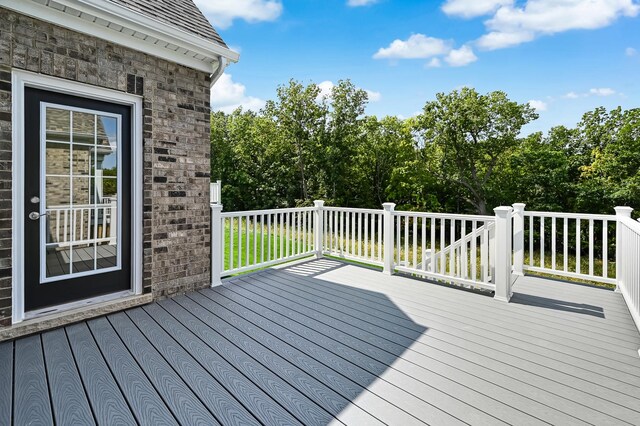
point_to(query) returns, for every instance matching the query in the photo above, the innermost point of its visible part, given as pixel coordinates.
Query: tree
(468, 135)
(300, 117)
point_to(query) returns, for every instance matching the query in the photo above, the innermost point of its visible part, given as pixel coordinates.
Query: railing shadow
(556, 304)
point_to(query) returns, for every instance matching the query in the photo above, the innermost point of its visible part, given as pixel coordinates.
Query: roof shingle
(182, 14)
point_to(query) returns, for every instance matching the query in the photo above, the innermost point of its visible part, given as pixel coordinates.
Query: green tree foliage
(467, 136)
(464, 153)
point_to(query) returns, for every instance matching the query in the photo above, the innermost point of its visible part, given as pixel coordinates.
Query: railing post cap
(623, 211)
(318, 203)
(216, 207)
(503, 210)
(519, 206)
(389, 206)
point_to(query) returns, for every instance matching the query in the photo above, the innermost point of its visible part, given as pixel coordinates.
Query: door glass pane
(57, 261)
(83, 160)
(84, 128)
(83, 257)
(58, 191)
(57, 158)
(58, 123)
(81, 192)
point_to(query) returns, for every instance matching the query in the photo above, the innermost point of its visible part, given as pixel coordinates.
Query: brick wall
(176, 144)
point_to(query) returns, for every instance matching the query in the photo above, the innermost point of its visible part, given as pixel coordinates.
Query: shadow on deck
(327, 342)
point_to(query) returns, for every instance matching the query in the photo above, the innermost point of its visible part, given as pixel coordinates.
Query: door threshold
(53, 310)
(82, 312)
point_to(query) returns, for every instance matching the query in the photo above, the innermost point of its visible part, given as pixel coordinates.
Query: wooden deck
(325, 342)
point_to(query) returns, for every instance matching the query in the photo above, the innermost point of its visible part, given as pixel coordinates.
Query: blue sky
(566, 57)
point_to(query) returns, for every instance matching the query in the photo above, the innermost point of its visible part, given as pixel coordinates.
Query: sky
(564, 57)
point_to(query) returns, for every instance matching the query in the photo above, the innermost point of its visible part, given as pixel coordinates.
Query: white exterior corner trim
(19, 80)
(121, 25)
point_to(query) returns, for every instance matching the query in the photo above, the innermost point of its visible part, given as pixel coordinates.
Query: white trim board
(110, 21)
(20, 80)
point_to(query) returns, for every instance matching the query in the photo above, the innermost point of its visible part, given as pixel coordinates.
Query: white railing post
(620, 212)
(318, 231)
(388, 238)
(518, 238)
(217, 244)
(503, 235)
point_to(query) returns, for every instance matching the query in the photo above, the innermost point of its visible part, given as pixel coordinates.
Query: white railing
(628, 265)
(573, 245)
(354, 234)
(473, 251)
(454, 248)
(260, 238)
(66, 225)
(215, 192)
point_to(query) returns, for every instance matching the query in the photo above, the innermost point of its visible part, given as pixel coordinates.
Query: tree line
(463, 153)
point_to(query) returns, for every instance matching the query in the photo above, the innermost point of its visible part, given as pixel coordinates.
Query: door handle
(36, 215)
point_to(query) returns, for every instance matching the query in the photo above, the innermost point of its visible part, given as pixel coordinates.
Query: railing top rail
(630, 224)
(352, 209)
(571, 215)
(446, 216)
(79, 206)
(269, 211)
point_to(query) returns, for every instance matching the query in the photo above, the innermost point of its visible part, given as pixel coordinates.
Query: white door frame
(19, 80)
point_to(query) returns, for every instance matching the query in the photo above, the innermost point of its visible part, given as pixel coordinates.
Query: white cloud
(512, 25)
(473, 8)
(373, 96)
(499, 40)
(418, 46)
(227, 95)
(326, 87)
(538, 105)
(434, 63)
(572, 95)
(599, 91)
(630, 51)
(221, 13)
(356, 3)
(460, 57)
(602, 91)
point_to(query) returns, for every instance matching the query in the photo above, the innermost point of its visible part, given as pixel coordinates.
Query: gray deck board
(214, 396)
(31, 401)
(6, 383)
(352, 379)
(477, 376)
(435, 373)
(319, 380)
(146, 404)
(325, 342)
(583, 411)
(302, 404)
(186, 407)
(70, 404)
(193, 335)
(105, 397)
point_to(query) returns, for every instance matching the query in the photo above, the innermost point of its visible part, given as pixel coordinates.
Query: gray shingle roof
(183, 14)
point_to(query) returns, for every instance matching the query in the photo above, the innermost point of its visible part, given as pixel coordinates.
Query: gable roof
(183, 14)
(175, 30)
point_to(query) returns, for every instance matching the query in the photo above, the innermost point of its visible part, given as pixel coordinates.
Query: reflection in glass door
(80, 162)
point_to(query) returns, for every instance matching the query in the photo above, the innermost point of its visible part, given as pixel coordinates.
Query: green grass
(260, 248)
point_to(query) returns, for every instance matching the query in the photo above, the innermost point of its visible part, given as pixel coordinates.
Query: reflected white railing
(81, 223)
